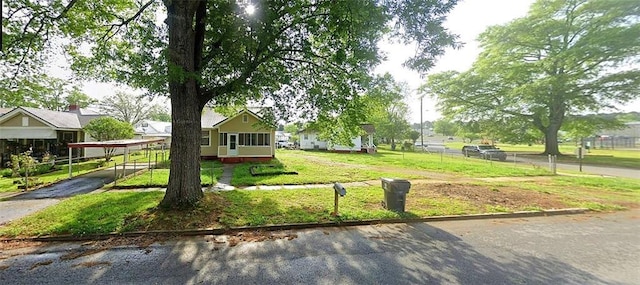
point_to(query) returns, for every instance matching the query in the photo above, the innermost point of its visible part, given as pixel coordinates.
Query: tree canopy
(564, 59)
(310, 58)
(386, 108)
(126, 107)
(108, 128)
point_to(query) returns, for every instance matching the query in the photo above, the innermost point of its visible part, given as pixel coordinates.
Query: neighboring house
(309, 140)
(242, 137)
(281, 136)
(148, 129)
(39, 130)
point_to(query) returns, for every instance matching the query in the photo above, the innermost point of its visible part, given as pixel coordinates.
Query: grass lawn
(120, 211)
(210, 171)
(628, 158)
(62, 172)
(7, 185)
(310, 172)
(408, 161)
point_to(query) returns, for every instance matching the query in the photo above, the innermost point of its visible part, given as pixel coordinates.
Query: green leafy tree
(414, 136)
(445, 127)
(106, 129)
(159, 113)
(469, 130)
(564, 58)
(126, 107)
(314, 55)
(386, 108)
(43, 91)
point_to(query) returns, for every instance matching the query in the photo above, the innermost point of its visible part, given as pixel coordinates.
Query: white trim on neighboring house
(30, 133)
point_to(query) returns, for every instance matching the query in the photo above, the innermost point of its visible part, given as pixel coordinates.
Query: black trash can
(395, 193)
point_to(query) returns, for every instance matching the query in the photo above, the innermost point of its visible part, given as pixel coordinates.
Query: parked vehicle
(484, 152)
(285, 144)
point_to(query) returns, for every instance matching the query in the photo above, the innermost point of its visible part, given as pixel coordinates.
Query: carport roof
(114, 143)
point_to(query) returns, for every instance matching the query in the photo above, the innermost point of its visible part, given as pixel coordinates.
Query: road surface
(578, 249)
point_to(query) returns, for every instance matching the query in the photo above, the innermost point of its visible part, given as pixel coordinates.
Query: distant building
(627, 137)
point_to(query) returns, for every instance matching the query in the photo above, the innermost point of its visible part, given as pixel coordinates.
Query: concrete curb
(268, 228)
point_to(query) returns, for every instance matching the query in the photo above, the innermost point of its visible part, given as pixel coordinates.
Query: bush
(6, 172)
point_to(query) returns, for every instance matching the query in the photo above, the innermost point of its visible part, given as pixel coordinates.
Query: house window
(245, 118)
(306, 136)
(25, 121)
(254, 139)
(223, 139)
(205, 139)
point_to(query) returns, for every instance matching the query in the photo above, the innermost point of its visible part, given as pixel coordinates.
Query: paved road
(579, 249)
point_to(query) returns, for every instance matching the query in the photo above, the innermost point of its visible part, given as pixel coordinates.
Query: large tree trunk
(551, 141)
(184, 189)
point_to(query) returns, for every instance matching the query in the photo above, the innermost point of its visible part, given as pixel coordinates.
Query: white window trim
(25, 121)
(245, 118)
(208, 136)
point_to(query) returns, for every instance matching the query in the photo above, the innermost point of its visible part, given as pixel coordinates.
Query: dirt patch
(480, 196)
(258, 236)
(94, 247)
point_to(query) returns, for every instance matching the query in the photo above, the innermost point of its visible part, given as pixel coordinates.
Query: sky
(468, 19)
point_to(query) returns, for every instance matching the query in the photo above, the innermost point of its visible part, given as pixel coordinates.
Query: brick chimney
(73, 107)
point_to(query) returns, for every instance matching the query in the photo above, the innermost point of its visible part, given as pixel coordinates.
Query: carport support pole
(124, 165)
(70, 163)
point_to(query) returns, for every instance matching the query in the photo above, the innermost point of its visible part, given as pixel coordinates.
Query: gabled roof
(210, 118)
(149, 127)
(5, 110)
(55, 119)
(238, 114)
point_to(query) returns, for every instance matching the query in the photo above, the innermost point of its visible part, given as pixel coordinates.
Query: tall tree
(126, 107)
(108, 128)
(159, 113)
(43, 91)
(308, 56)
(445, 127)
(386, 108)
(566, 57)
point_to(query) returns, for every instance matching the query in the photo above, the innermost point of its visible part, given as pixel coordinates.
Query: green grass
(445, 163)
(120, 211)
(209, 173)
(85, 214)
(310, 172)
(7, 185)
(628, 158)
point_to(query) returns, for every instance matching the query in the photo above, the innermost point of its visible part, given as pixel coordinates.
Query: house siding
(236, 125)
(311, 141)
(16, 121)
(211, 150)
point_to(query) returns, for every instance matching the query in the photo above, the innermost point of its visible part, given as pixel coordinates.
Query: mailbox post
(338, 189)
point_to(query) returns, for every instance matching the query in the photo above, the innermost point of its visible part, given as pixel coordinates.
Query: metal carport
(115, 144)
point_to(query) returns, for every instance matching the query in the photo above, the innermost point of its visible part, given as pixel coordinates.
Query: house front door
(233, 145)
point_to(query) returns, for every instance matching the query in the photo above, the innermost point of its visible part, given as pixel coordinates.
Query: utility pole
(421, 127)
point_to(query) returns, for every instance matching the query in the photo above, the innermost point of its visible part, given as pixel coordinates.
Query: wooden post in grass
(26, 181)
(338, 189)
(115, 173)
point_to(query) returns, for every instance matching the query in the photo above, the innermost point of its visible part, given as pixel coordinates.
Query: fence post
(26, 181)
(115, 173)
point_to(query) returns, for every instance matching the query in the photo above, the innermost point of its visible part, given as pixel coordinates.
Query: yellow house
(242, 137)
